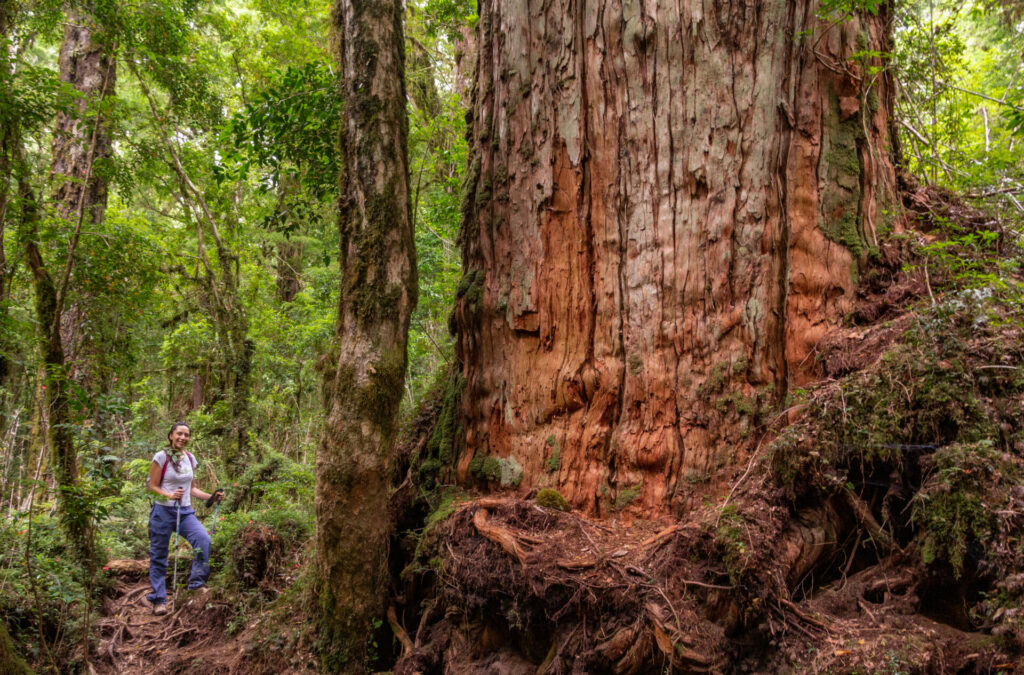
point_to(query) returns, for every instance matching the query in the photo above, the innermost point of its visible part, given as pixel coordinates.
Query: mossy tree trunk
(665, 210)
(10, 662)
(364, 373)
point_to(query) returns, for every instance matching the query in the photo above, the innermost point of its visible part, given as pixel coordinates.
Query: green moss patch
(626, 496)
(554, 461)
(552, 499)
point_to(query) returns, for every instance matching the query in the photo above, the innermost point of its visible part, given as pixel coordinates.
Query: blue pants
(161, 527)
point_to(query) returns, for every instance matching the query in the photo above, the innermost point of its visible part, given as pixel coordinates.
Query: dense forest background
(193, 259)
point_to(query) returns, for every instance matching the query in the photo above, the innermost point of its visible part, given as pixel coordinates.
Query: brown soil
(191, 637)
(213, 630)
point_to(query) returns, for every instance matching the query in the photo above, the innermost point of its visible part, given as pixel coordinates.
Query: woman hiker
(170, 477)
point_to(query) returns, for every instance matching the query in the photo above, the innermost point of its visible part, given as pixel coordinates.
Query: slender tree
(365, 370)
(10, 661)
(221, 283)
(81, 139)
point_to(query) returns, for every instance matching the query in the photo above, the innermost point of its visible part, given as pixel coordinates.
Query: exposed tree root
(878, 525)
(508, 588)
(848, 554)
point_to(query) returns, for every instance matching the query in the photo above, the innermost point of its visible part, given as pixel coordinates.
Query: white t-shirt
(174, 478)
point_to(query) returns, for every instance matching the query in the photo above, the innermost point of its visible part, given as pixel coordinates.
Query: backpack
(163, 472)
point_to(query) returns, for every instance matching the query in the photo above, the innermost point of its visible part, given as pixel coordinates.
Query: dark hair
(175, 426)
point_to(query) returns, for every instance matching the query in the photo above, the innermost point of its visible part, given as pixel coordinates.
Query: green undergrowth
(626, 496)
(730, 536)
(273, 482)
(47, 595)
(422, 545)
(932, 434)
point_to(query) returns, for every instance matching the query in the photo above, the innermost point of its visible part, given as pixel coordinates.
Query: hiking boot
(160, 609)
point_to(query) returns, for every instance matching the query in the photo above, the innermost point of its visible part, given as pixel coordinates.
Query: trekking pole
(215, 510)
(177, 526)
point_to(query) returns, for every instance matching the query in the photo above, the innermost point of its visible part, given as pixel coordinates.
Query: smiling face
(180, 437)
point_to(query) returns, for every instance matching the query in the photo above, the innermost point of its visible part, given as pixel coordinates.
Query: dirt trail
(192, 637)
(215, 630)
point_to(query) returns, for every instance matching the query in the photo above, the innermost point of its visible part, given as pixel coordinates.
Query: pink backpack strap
(163, 471)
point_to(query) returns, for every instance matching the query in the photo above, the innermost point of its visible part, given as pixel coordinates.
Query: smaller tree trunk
(364, 375)
(10, 662)
(72, 508)
(223, 301)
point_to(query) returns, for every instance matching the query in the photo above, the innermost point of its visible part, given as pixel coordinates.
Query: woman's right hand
(177, 494)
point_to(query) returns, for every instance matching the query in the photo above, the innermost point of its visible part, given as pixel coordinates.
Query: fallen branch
(671, 529)
(803, 615)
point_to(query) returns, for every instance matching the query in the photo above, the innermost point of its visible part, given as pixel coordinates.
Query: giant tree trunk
(665, 210)
(364, 374)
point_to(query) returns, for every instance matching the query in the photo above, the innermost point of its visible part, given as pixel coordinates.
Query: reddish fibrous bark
(665, 211)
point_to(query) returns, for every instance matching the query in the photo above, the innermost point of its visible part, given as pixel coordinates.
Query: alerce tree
(364, 372)
(666, 208)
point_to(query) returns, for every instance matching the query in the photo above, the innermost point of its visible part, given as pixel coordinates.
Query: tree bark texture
(363, 375)
(289, 269)
(80, 145)
(665, 210)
